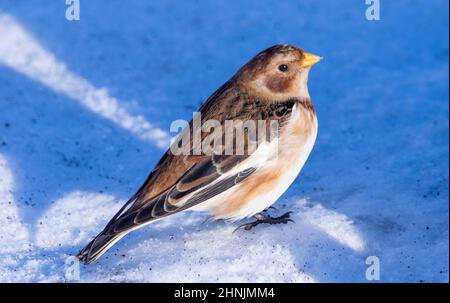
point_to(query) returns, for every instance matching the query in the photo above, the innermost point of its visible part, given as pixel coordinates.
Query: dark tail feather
(104, 240)
(98, 246)
(123, 223)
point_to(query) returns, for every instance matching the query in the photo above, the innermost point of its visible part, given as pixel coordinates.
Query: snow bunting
(272, 86)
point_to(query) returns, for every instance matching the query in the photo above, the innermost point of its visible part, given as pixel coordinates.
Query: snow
(85, 109)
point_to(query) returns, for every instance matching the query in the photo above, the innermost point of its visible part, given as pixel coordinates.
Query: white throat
(303, 92)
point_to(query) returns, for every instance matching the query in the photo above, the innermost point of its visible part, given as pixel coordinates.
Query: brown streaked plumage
(271, 86)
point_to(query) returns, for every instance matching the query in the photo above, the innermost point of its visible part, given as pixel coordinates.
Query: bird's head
(278, 73)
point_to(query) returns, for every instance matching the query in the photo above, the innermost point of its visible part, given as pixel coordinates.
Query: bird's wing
(182, 181)
(200, 183)
(178, 181)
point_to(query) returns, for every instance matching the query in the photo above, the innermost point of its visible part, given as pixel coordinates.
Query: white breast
(287, 155)
(292, 155)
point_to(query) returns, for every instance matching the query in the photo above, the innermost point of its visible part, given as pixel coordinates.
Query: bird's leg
(265, 218)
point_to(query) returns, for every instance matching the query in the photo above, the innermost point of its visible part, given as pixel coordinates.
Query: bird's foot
(265, 218)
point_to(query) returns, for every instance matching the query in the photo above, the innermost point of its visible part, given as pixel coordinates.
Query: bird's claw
(261, 218)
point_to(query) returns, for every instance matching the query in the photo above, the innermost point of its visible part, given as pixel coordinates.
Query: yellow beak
(310, 59)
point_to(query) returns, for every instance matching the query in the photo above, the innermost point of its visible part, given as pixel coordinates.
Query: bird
(272, 86)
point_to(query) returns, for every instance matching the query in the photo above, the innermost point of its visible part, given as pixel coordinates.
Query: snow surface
(85, 109)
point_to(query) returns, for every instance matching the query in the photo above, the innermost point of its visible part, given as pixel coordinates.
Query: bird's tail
(126, 220)
(98, 246)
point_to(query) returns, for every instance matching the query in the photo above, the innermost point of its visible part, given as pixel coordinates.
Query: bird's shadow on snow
(51, 148)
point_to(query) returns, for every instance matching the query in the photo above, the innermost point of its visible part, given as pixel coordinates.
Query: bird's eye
(283, 67)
